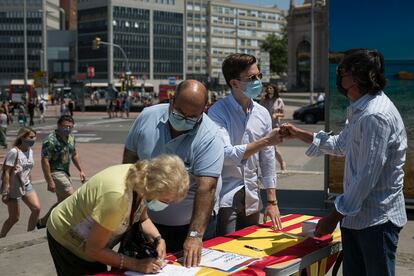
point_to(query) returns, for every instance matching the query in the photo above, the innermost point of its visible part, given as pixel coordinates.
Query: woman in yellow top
(83, 228)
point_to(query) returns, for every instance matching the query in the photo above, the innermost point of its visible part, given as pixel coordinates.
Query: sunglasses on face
(253, 78)
(179, 116)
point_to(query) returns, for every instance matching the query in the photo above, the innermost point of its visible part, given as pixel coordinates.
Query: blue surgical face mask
(253, 89)
(29, 142)
(179, 123)
(155, 205)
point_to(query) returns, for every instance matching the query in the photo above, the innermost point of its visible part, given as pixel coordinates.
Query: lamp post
(96, 44)
(25, 43)
(312, 49)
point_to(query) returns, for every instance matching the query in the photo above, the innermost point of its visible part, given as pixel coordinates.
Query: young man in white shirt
(246, 129)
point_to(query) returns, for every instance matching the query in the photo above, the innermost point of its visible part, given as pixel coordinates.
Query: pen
(253, 248)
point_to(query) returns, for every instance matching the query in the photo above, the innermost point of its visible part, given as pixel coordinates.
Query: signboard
(265, 66)
(171, 81)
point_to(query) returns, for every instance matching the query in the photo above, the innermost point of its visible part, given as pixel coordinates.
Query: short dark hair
(234, 64)
(66, 118)
(367, 68)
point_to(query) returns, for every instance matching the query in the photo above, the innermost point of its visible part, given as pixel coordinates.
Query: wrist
(157, 239)
(194, 234)
(272, 202)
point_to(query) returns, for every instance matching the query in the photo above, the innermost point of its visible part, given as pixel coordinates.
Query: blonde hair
(22, 133)
(163, 175)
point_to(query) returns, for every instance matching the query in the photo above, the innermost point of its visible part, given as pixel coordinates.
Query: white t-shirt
(3, 120)
(25, 161)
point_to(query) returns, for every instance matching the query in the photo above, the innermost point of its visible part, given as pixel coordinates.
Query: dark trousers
(370, 251)
(68, 264)
(175, 236)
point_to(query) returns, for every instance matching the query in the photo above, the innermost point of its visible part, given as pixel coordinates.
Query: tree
(277, 46)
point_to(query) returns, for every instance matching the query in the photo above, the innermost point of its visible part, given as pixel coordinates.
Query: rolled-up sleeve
(375, 133)
(325, 143)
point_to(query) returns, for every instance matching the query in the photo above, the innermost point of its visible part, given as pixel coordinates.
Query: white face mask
(155, 205)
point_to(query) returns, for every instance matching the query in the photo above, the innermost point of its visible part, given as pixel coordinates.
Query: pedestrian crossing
(79, 137)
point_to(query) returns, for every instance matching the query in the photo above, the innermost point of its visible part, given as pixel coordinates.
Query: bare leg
(280, 160)
(32, 201)
(14, 214)
(60, 197)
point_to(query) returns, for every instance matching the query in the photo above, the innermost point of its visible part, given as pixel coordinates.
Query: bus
(18, 93)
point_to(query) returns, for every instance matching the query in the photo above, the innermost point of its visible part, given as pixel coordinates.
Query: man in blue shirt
(373, 142)
(183, 129)
(246, 129)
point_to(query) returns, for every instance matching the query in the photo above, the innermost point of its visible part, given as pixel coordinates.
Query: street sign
(171, 80)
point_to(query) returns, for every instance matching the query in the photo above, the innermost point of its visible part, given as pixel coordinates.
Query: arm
(6, 184)
(96, 250)
(48, 175)
(203, 206)
(129, 156)
(151, 231)
(375, 133)
(76, 162)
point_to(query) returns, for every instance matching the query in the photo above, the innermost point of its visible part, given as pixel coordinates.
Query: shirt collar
(234, 104)
(362, 102)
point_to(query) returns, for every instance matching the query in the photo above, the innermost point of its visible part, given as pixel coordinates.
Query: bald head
(192, 90)
(190, 98)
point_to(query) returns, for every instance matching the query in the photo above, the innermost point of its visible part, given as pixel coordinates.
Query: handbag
(16, 185)
(134, 243)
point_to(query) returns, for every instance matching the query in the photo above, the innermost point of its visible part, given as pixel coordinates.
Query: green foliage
(277, 46)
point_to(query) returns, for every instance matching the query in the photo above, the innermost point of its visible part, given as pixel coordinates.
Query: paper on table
(170, 270)
(221, 260)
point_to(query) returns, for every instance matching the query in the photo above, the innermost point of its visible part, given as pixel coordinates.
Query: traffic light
(96, 43)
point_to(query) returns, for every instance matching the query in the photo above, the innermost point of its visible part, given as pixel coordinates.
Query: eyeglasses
(253, 78)
(179, 116)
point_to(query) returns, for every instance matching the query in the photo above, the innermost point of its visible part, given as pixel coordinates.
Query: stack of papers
(169, 270)
(308, 227)
(224, 261)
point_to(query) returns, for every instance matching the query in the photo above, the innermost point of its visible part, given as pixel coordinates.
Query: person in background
(3, 128)
(71, 107)
(246, 130)
(83, 229)
(42, 108)
(182, 128)
(16, 183)
(31, 109)
(371, 208)
(58, 149)
(274, 104)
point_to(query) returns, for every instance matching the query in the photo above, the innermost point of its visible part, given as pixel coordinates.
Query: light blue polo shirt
(201, 149)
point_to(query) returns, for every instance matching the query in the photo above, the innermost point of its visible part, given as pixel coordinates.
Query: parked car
(311, 114)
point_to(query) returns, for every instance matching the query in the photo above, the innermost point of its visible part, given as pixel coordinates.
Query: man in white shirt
(246, 129)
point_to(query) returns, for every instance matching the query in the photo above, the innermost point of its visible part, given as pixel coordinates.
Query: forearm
(304, 136)
(6, 182)
(76, 162)
(271, 194)
(46, 170)
(255, 147)
(109, 257)
(203, 205)
(149, 229)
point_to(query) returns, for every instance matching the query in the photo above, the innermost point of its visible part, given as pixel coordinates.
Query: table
(279, 254)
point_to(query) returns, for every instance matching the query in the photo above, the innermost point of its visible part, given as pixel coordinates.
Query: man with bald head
(182, 128)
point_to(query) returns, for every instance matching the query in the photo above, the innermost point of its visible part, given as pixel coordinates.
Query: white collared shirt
(238, 128)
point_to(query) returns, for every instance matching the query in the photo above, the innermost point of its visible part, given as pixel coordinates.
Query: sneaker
(39, 225)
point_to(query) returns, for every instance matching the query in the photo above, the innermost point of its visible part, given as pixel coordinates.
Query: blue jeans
(370, 251)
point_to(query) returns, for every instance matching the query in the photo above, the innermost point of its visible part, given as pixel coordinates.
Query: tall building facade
(12, 36)
(150, 32)
(216, 29)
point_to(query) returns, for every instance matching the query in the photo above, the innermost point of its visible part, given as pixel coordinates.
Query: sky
(381, 24)
(282, 4)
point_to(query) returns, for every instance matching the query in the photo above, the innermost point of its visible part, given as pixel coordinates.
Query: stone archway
(303, 64)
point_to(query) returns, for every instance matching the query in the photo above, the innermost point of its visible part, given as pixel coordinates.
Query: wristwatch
(195, 234)
(272, 202)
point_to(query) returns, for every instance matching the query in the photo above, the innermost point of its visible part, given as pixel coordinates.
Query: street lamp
(97, 42)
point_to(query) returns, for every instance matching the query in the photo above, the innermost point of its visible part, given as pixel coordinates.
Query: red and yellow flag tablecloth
(275, 247)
